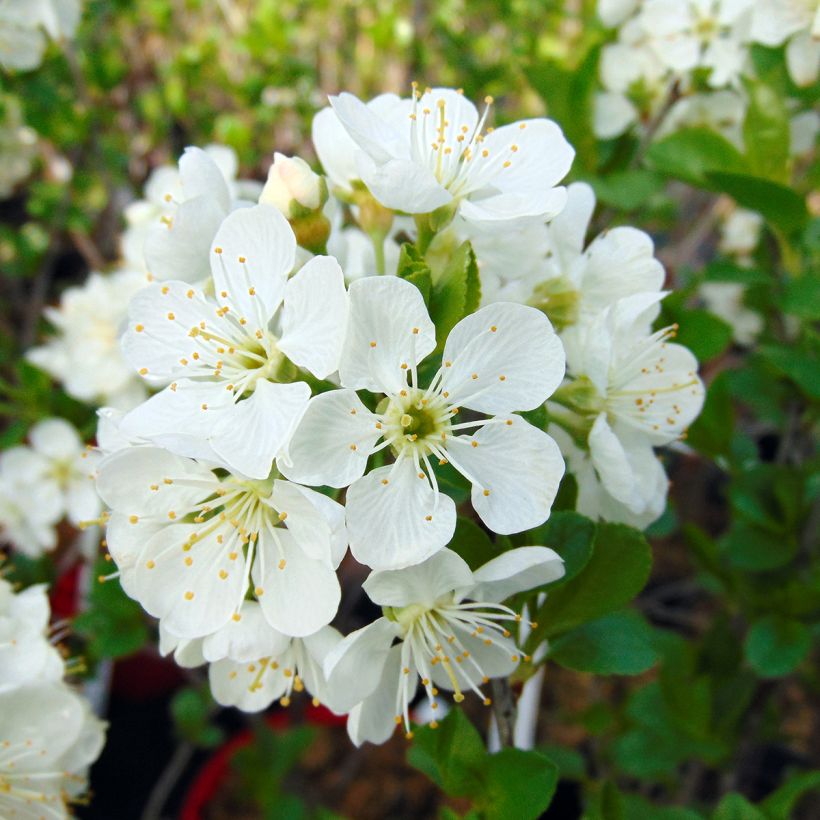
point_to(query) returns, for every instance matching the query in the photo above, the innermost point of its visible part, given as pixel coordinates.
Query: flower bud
(293, 187)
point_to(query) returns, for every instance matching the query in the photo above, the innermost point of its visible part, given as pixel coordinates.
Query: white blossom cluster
(304, 401)
(698, 52)
(27, 25)
(48, 733)
(44, 482)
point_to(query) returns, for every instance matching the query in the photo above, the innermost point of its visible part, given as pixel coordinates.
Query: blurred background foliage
(709, 704)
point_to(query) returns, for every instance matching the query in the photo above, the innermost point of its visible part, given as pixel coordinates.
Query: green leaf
(570, 534)
(413, 268)
(725, 270)
(711, 432)
(519, 784)
(801, 297)
(627, 190)
(113, 624)
(472, 543)
(615, 573)
(781, 206)
(705, 334)
(691, 154)
(737, 807)
(191, 711)
(617, 644)
(776, 646)
(570, 762)
(456, 291)
(799, 366)
(780, 804)
(453, 755)
(638, 807)
(752, 548)
(766, 132)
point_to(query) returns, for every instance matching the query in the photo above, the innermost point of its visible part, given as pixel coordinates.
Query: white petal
(371, 132)
(403, 185)
(803, 58)
(515, 571)
(82, 502)
(399, 523)
(618, 263)
(420, 584)
(305, 519)
(248, 436)
(201, 176)
(56, 439)
(133, 481)
(611, 463)
(384, 312)
(314, 316)
(247, 639)
(301, 597)
(180, 250)
(158, 335)
(241, 685)
(613, 113)
(539, 156)
(193, 599)
(252, 254)
(373, 720)
(514, 205)
(353, 668)
(513, 352)
(181, 417)
(568, 230)
(520, 468)
(321, 450)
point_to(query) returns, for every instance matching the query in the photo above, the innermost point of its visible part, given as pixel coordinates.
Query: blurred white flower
(796, 23)
(18, 144)
(48, 739)
(725, 299)
(84, 354)
(740, 233)
(24, 25)
(26, 654)
(452, 633)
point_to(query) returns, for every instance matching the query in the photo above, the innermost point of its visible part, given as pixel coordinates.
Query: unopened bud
(293, 187)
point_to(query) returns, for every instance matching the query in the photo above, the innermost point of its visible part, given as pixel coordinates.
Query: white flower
(574, 282)
(740, 232)
(633, 390)
(22, 39)
(723, 111)
(223, 353)
(798, 22)
(503, 358)
(452, 633)
(26, 655)
(355, 252)
(84, 355)
(619, 478)
(637, 378)
(42, 483)
(18, 144)
(29, 508)
(191, 543)
(707, 34)
(725, 299)
(48, 739)
(615, 12)
(429, 152)
(291, 180)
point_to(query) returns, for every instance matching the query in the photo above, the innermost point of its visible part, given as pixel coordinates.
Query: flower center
(414, 420)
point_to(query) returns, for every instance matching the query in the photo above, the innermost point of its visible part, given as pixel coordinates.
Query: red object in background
(65, 594)
(145, 675)
(215, 770)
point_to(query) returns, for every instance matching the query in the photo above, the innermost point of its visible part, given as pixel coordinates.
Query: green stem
(425, 233)
(377, 238)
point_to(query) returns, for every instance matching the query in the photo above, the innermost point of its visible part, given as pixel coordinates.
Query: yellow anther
(189, 596)
(149, 564)
(139, 328)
